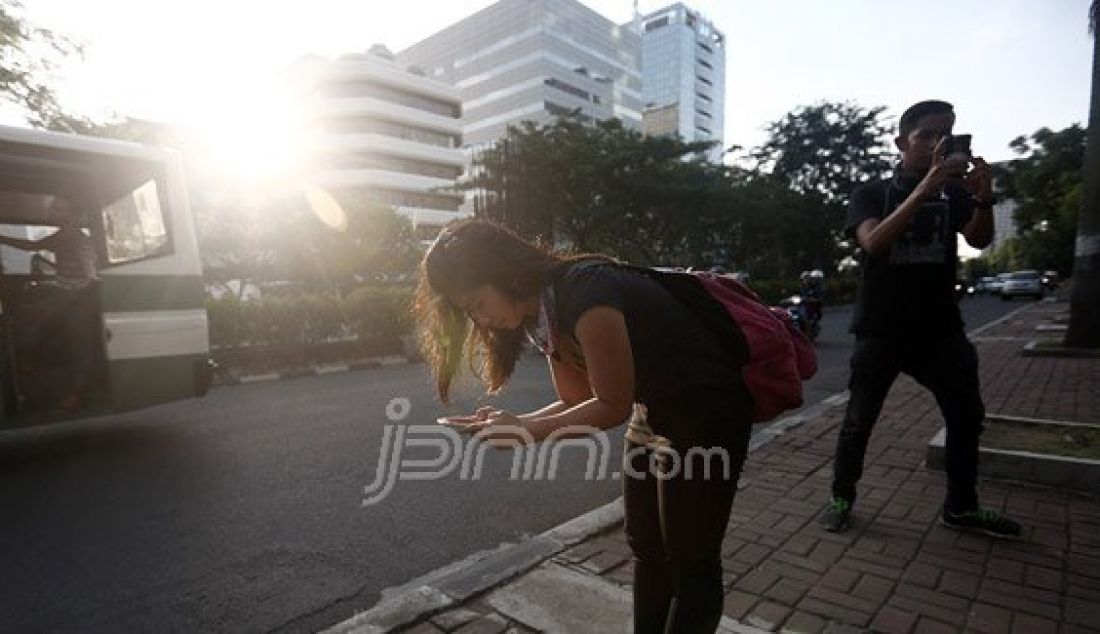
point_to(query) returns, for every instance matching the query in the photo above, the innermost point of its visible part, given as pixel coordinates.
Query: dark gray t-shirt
(909, 290)
(676, 356)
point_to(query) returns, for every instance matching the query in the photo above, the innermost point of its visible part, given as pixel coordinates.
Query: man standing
(906, 317)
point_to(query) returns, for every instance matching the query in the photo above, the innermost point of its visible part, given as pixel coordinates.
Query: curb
(320, 370)
(457, 582)
(453, 584)
(1034, 349)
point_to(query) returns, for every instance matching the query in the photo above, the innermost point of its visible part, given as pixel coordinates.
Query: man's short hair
(913, 114)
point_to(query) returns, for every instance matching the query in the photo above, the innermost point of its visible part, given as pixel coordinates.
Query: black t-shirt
(908, 291)
(675, 354)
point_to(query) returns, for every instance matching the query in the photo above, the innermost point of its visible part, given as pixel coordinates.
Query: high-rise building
(389, 132)
(683, 75)
(532, 60)
(1004, 224)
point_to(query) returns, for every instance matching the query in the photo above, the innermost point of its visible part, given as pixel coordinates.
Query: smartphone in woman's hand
(462, 423)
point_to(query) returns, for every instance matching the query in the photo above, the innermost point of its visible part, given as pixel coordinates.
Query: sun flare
(254, 136)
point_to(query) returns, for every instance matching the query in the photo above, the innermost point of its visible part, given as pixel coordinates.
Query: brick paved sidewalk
(896, 569)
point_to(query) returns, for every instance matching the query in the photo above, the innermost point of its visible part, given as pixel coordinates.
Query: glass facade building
(684, 69)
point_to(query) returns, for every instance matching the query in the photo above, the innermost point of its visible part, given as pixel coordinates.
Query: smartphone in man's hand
(956, 155)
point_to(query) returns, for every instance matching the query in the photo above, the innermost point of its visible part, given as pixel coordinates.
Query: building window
(561, 111)
(705, 64)
(705, 47)
(703, 130)
(567, 88)
(353, 89)
(703, 113)
(390, 164)
(398, 198)
(653, 25)
(366, 125)
(704, 80)
(704, 97)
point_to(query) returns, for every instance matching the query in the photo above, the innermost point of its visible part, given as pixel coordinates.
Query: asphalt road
(243, 511)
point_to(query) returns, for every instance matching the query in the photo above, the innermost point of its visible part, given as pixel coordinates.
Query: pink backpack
(780, 357)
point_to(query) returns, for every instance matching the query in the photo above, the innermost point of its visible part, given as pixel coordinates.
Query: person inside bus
(58, 309)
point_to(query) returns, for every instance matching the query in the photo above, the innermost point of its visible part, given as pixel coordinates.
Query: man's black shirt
(908, 291)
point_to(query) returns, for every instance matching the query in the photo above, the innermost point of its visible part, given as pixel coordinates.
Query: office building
(385, 130)
(683, 75)
(1004, 224)
(533, 60)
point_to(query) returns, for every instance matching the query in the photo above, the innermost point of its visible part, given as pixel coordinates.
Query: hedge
(368, 313)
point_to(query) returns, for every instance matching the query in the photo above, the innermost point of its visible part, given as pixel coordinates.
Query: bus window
(133, 225)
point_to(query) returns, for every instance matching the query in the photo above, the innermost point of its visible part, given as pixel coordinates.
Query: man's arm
(876, 236)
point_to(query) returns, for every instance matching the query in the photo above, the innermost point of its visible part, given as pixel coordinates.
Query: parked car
(985, 285)
(1026, 283)
(1050, 280)
(998, 283)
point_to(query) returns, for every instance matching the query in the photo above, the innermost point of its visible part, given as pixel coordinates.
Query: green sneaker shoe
(835, 517)
(982, 521)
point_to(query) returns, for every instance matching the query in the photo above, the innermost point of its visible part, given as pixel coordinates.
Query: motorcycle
(806, 314)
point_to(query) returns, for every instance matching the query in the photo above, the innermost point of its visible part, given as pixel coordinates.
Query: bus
(128, 328)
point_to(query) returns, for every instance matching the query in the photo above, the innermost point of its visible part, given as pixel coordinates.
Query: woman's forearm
(583, 418)
(553, 408)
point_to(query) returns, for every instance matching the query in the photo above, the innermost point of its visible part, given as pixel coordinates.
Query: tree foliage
(1047, 183)
(28, 56)
(824, 151)
(580, 183)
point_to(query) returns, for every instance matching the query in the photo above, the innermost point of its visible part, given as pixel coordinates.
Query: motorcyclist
(813, 293)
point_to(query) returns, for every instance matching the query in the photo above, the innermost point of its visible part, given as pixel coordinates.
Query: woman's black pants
(678, 502)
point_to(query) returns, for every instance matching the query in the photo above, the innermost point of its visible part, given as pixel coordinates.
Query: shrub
(368, 313)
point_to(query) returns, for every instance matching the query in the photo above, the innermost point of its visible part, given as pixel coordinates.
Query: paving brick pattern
(896, 569)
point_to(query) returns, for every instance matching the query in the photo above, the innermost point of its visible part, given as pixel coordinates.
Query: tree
(579, 182)
(1084, 322)
(1046, 183)
(825, 151)
(28, 54)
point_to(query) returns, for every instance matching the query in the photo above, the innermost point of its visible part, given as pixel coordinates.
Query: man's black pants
(948, 367)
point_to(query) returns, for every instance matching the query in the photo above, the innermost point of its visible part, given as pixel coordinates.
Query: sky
(1009, 66)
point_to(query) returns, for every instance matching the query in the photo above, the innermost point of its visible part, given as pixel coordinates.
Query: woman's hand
(496, 427)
